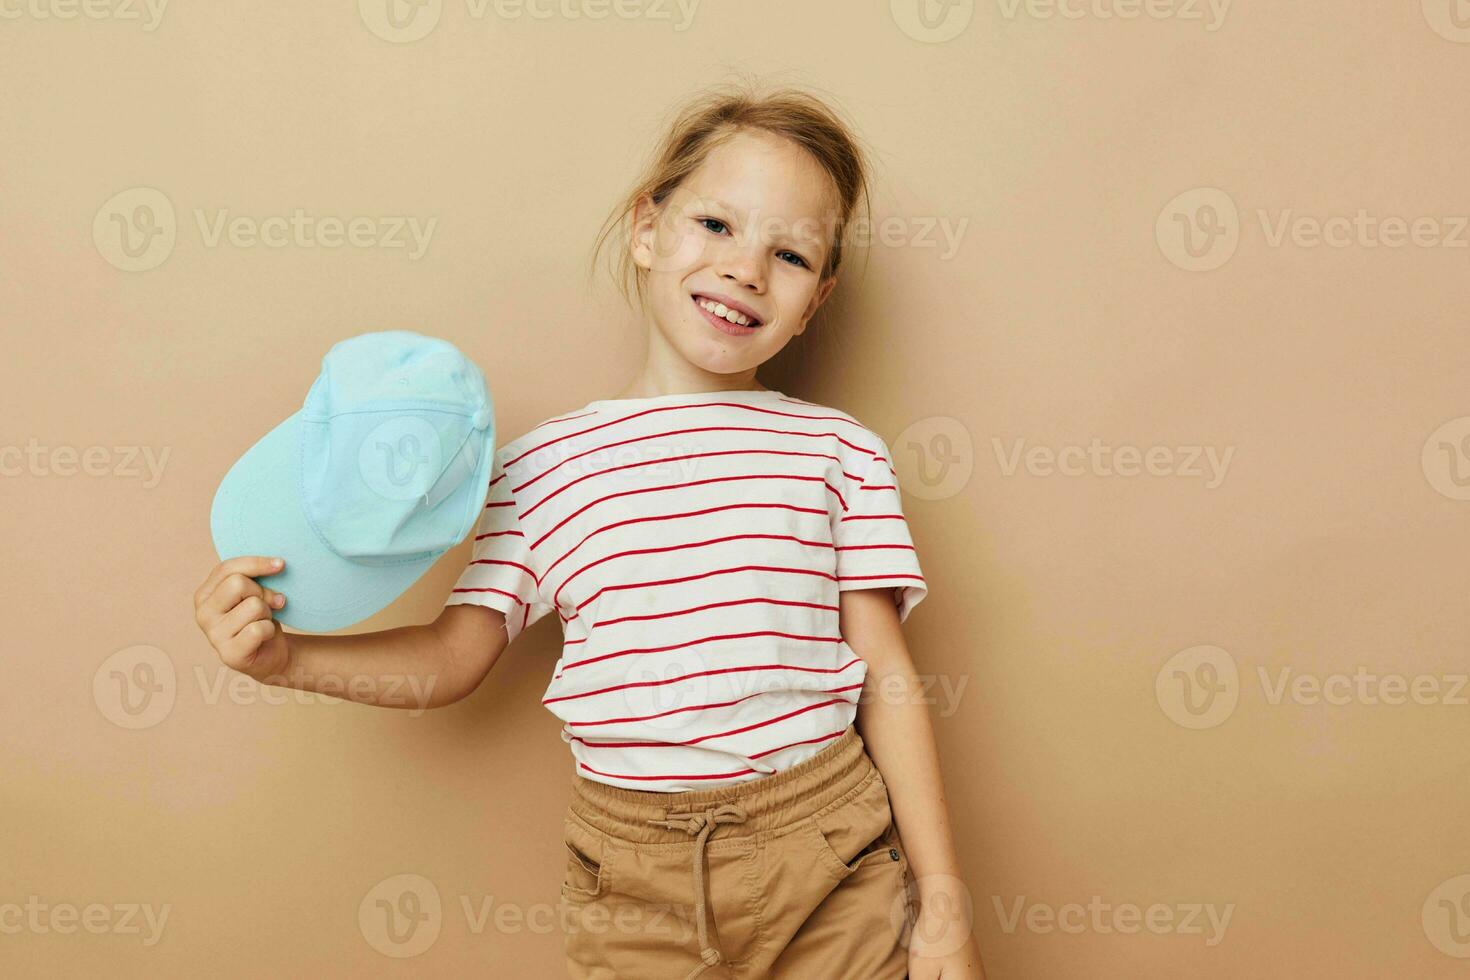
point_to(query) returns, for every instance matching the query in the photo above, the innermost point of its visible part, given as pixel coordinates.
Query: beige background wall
(1116, 733)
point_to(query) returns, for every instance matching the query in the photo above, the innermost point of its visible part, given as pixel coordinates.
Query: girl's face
(750, 231)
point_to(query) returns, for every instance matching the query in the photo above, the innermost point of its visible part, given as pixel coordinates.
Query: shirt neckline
(738, 394)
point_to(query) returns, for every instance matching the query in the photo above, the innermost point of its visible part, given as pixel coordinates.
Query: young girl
(730, 566)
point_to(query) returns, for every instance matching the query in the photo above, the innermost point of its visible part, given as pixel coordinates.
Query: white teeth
(721, 310)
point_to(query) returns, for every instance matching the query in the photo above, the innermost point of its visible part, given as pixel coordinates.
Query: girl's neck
(646, 387)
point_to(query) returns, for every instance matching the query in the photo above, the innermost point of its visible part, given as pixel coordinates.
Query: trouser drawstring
(701, 824)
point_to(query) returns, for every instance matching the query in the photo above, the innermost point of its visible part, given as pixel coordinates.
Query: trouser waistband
(766, 803)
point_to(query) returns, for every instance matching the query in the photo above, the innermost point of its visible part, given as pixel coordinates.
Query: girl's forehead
(767, 174)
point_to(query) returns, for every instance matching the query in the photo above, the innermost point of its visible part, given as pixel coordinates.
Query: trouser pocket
(860, 836)
(585, 876)
(858, 901)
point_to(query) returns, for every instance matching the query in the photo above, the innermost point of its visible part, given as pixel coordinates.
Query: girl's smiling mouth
(726, 315)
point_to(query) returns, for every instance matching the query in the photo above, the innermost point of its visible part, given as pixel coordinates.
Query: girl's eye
(719, 228)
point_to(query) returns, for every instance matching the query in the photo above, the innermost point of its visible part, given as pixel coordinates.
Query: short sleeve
(874, 547)
(499, 574)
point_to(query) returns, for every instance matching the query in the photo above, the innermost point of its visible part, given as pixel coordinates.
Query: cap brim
(257, 511)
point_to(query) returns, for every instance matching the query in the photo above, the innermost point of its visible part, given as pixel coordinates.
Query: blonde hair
(715, 116)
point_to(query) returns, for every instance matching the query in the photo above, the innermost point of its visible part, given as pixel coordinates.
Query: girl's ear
(643, 232)
(824, 289)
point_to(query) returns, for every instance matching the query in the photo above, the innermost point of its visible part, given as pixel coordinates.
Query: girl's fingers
(231, 592)
(239, 650)
(253, 566)
(248, 610)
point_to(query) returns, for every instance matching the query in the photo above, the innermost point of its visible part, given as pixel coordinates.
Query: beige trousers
(800, 874)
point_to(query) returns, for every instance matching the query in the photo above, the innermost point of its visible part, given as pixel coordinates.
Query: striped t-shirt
(693, 546)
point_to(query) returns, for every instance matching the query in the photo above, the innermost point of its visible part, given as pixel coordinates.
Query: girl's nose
(741, 267)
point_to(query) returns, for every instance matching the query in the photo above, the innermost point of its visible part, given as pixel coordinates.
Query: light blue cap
(385, 467)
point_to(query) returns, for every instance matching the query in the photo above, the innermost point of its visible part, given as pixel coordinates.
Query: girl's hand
(942, 944)
(234, 613)
(962, 965)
